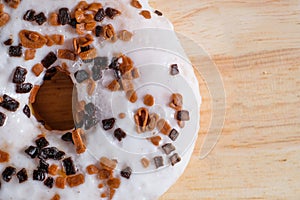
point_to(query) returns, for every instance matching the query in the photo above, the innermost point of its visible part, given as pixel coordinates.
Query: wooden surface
(256, 47)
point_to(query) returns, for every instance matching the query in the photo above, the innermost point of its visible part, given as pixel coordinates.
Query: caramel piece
(111, 193)
(53, 19)
(4, 18)
(79, 16)
(114, 86)
(66, 54)
(148, 100)
(125, 35)
(108, 164)
(163, 126)
(79, 145)
(131, 96)
(58, 39)
(135, 73)
(80, 28)
(114, 183)
(49, 42)
(153, 117)
(53, 169)
(33, 93)
(92, 169)
(13, 3)
(146, 14)
(60, 182)
(75, 180)
(155, 140)
(176, 101)
(4, 156)
(94, 7)
(141, 119)
(100, 185)
(1, 7)
(56, 197)
(122, 115)
(127, 85)
(89, 54)
(126, 65)
(108, 32)
(104, 174)
(145, 162)
(88, 18)
(31, 39)
(136, 4)
(30, 54)
(82, 5)
(103, 195)
(37, 69)
(90, 26)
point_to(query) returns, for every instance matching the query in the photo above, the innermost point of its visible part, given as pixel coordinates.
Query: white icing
(157, 47)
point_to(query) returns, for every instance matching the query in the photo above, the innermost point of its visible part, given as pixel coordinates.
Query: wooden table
(256, 47)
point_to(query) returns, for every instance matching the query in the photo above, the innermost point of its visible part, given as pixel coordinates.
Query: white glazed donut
(137, 54)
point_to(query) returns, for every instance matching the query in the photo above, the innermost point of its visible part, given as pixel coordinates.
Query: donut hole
(53, 103)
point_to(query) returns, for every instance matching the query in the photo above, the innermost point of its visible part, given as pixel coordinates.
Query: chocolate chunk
(173, 134)
(90, 121)
(90, 109)
(126, 173)
(85, 48)
(23, 88)
(50, 73)
(41, 142)
(22, 175)
(81, 75)
(98, 31)
(99, 16)
(29, 15)
(49, 59)
(158, 12)
(26, 111)
(32, 151)
(119, 134)
(40, 18)
(175, 159)
(64, 16)
(69, 166)
(8, 42)
(19, 75)
(43, 166)
(168, 148)
(158, 161)
(96, 73)
(183, 115)
(8, 173)
(67, 137)
(9, 103)
(15, 51)
(108, 123)
(2, 118)
(174, 70)
(73, 23)
(51, 153)
(38, 175)
(49, 182)
(111, 12)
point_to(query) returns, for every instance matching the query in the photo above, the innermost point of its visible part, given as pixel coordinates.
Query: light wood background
(256, 47)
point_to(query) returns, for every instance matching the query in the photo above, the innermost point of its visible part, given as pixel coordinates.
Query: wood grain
(256, 47)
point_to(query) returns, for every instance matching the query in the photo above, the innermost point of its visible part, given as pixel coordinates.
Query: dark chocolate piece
(23, 88)
(173, 134)
(175, 159)
(158, 12)
(19, 75)
(41, 142)
(69, 166)
(32, 151)
(67, 137)
(49, 182)
(108, 123)
(9, 103)
(126, 173)
(40, 18)
(99, 16)
(15, 51)
(8, 173)
(183, 115)
(158, 161)
(26, 111)
(8, 42)
(2, 119)
(38, 175)
(51, 153)
(168, 148)
(119, 134)
(64, 16)
(29, 15)
(49, 59)
(43, 166)
(174, 70)
(22, 175)
(111, 12)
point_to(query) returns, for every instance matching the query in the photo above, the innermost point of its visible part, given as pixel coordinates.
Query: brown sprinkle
(125, 35)
(146, 14)
(132, 96)
(60, 182)
(89, 54)
(53, 169)
(104, 174)
(107, 163)
(4, 18)
(135, 73)
(103, 195)
(13, 3)
(37, 69)
(148, 100)
(163, 126)
(53, 19)
(94, 7)
(141, 119)
(82, 5)
(136, 4)
(56, 197)
(66, 54)
(111, 193)
(92, 169)
(126, 65)
(79, 145)
(122, 115)
(155, 140)
(75, 180)
(58, 39)
(90, 26)
(145, 162)
(30, 54)
(127, 85)
(88, 18)
(80, 28)
(181, 124)
(49, 42)
(113, 86)
(31, 39)
(1, 7)
(153, 121)
(4, 156)
(176, 101)
(114, 183)
(108, 32)
(100, 185)
(33, 93)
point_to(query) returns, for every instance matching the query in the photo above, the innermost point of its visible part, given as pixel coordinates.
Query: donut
(120, 70)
